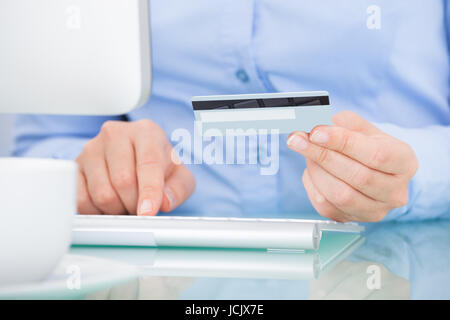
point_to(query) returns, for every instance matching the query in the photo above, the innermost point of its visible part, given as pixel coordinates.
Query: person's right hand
(130, 168)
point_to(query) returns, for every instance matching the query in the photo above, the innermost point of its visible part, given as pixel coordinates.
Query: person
(387, 156)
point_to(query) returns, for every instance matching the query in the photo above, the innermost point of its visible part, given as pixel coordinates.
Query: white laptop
(166, 231)
(74, 56)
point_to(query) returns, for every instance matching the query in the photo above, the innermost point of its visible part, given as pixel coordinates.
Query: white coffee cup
(37, 206)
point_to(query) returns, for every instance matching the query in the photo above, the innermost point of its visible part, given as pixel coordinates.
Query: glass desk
(390, 261)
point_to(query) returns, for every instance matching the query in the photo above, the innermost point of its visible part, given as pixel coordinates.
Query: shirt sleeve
(58, 137)
(429, 189)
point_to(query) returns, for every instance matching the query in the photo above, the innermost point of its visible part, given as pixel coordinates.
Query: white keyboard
(287, 234)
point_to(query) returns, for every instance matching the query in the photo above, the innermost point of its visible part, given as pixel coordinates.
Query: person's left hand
(355, 172)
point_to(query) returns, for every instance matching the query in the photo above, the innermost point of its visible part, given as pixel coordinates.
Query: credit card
(244, 114)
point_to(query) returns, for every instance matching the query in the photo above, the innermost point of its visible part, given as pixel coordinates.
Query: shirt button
(242, 75)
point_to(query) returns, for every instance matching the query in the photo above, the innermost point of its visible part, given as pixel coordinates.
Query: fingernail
(297, 143)
(319, 137)
(146, 207)
(170, 197)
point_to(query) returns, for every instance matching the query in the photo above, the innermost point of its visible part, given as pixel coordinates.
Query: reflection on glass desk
(231, 263)
(391, 261)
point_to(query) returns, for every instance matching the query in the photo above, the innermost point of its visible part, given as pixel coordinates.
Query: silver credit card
(244, 114)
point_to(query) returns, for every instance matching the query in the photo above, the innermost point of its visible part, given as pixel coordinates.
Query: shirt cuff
(429, 189)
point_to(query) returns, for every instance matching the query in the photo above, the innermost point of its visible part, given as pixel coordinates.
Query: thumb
(352, 121)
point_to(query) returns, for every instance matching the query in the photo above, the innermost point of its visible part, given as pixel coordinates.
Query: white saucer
(74, 277)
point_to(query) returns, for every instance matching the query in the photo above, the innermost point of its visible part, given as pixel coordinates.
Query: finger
(121, 165)
(374, 184)
(382, 153)
(99, 185)
(153, 164)
(344, 197)
(353, 122)
(322, 205)
(84, 202)
(178, 188)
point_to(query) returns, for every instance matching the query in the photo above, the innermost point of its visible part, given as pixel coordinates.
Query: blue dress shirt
(386, 60)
